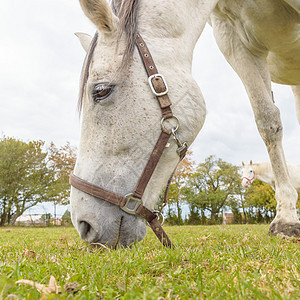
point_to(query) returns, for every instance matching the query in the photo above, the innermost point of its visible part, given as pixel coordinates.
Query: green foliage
(209, 262)
(261, 202)
(46, 218)
(66, 218)
(215, 186)
(175, 196)
(30, 174)
(61, 162)
(211, 186)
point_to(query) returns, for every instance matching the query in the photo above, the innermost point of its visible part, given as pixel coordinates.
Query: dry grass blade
(99, 245)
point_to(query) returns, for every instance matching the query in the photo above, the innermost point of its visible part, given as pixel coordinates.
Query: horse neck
(173, 25)
(294, 172)
(263, 172)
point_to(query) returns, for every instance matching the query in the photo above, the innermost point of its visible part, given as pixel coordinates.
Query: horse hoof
(285, 229)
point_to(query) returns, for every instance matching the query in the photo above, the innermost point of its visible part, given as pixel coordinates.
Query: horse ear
(251, 162)
(85, 40)
(100, 13)
(243, 164)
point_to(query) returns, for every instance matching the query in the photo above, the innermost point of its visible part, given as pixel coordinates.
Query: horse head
(120, 115)
(248, 174)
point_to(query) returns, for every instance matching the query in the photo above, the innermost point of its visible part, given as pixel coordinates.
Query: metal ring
(174, 129)
(159, 214)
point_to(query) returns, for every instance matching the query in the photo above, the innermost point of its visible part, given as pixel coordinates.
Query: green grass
(210, 262)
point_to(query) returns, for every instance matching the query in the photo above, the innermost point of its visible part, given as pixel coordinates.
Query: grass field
(210, 262)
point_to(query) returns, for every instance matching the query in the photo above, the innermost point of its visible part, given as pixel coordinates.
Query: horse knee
(269, 124)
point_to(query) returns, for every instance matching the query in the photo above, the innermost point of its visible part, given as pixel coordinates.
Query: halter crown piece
(132, 203)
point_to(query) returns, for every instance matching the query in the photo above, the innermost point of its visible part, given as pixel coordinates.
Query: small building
(56, 222)
(30, 220)
(227, 218)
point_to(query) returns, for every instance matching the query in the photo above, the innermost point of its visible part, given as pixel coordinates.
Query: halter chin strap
(132, 203)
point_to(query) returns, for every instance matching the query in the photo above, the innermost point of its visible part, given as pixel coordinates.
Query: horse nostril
(87, 232)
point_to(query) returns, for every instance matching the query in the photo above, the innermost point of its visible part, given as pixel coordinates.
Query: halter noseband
(249, 180)
(132, 203)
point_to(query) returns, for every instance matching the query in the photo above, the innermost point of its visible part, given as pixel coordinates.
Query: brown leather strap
(151, 164)
(121, 201)
(160, 233)
(157, 82)
(96, 191)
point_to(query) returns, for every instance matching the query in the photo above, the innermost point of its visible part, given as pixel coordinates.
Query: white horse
(121, 117)
(263, 172)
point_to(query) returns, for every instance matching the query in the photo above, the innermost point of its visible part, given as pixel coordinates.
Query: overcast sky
(41, 60)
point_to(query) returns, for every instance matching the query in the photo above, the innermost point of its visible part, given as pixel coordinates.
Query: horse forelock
(127, 11)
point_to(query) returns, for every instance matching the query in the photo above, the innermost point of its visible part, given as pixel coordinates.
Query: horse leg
(253, 71)
(296, 91)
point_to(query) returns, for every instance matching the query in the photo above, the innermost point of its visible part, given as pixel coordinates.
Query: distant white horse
(120, 115)
(263, 172)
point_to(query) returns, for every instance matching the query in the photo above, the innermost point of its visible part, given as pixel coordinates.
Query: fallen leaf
(54, 259)
(29, 253)
(62, 239)
(11, 296)
(52, 287)
(204, 238)
(121, 286)
(72, 287)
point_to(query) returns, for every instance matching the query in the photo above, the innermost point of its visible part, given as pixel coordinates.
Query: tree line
(210, 188)
(32, 172)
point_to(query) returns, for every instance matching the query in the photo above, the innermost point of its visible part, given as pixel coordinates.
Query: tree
(66, 218)
(61, 161)
(29, 174)
(211, 186)
(260, 202)
(45, 218)
(184, 170)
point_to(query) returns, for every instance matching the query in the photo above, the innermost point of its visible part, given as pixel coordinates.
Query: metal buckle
(152, 87)
(181, 148)
(130, 200)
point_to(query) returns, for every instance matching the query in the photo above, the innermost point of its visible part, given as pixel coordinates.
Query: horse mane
(86, 71)
(126, 11)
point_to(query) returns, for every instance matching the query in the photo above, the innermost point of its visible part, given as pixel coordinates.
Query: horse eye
(101, 91)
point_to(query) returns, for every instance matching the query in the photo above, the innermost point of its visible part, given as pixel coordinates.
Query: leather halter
(250, 180)
(132, 203)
